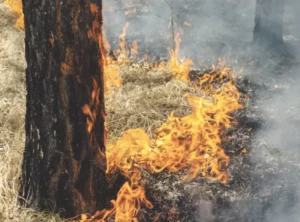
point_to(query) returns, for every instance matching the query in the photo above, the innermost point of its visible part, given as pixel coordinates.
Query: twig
(161, 17)
(172, 24)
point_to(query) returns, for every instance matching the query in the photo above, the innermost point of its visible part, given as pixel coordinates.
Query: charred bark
(64, 160)
(268, 30)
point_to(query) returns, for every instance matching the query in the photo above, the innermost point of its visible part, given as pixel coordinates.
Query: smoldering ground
(224, 29)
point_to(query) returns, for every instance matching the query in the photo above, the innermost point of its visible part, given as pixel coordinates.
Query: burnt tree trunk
(268, 30)
(64, 160)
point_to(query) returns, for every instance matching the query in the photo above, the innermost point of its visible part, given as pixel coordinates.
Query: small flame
(123, 45)
(180, 69)
(17, 8)
(112, 78)
(94, 102)
(106, 43)
(124, 49)
(134, 49)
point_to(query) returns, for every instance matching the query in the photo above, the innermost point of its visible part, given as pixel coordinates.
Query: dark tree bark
(268, 30)
(64, 160)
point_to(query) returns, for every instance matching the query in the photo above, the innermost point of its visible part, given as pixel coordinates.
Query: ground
(12, 108)
(265, 185)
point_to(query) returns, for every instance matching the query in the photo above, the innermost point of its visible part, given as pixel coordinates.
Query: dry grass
(144, 101)
(12, 109)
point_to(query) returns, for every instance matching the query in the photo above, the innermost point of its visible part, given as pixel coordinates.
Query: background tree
(268, 30)
(64, 159)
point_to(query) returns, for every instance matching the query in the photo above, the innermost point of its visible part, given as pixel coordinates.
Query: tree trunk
(64, 160)
(268, 30)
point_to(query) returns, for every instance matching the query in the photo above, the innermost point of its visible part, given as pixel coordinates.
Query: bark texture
(268, 30)
(64, 159)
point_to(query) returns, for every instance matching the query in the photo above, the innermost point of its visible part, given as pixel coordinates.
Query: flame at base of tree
(112, 78)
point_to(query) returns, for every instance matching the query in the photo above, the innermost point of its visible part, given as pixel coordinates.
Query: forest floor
(145, 100)
(12, 109)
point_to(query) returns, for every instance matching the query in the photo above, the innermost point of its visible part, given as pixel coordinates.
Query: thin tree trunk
(64, 159)
(268, 30)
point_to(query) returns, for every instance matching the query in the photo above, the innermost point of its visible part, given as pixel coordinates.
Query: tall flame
(121, 53)
(134, 51)
(125, 49)
(112, 78)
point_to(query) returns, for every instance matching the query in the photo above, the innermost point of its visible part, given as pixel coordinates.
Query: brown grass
(12, 109)
(144, 101)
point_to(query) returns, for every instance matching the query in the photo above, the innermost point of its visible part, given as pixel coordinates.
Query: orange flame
(180, 69)
(94, 101)
(112, 78)
(121, 53)
(17, 8)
